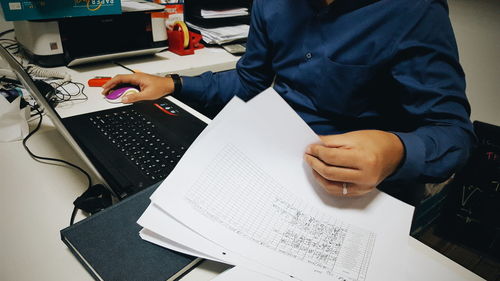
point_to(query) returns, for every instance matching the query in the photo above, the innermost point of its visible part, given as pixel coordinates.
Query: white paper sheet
(173, 230)
(13, 120)
(227, 13)
(222, 35)
(241, 274)
(189, 242)
(263, 147)
(157, 239)
(422, 265)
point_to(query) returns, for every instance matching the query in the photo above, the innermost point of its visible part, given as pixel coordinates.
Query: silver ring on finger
(344, 188)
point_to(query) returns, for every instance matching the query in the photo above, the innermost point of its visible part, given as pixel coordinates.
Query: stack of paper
(227, 13)
(221, 35)
(243, 195)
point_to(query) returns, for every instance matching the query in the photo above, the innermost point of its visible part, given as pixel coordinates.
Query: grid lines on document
(253, 205)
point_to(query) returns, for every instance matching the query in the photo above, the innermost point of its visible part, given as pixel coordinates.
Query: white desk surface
(36, 198)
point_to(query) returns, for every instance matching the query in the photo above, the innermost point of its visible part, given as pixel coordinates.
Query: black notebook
(108, 245)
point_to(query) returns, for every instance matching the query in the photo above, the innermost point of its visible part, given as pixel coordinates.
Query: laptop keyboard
(138, 139)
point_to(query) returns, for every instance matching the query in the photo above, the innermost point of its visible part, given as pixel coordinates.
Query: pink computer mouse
(116, 95)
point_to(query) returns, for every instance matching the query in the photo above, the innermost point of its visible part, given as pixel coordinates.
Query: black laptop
(131, 147)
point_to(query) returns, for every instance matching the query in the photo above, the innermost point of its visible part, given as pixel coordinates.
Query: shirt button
(309, 56)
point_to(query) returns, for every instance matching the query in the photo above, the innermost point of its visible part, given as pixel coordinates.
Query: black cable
(38, 158)
(73, 215)
(8, 41)
(119, 64)
(63, 95)
(14, 46)
(6, 31)
(11, 45)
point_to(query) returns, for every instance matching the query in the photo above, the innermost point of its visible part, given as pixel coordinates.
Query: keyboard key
(140, 141)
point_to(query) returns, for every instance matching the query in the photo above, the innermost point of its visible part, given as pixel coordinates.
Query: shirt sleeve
(431, 84)
(252, 75)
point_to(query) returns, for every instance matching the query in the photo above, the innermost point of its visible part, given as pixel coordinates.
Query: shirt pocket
(343, 89)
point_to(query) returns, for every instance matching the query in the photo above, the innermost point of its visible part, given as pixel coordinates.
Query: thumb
(131, 97)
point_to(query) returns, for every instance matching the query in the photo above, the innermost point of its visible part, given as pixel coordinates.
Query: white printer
(78, 40)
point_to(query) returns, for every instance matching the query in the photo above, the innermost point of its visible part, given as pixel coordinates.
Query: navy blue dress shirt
(390, 65)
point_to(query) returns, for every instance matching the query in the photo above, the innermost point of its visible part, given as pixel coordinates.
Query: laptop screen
(31, 87)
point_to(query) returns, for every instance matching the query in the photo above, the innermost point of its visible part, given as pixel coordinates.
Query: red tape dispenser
(182, 41)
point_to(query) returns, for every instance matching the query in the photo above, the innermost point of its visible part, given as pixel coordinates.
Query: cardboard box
(173, 11)
(15, 10)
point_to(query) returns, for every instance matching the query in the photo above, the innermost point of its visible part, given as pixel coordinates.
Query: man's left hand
(358, 160)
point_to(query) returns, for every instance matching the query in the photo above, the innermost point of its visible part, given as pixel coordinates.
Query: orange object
(177, 40)
(98, 81)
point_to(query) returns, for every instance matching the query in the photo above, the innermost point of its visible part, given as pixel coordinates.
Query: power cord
(127, 68)
(63, 95)
(6, 31)
(10, 44)
(34, 70)
(94, 199)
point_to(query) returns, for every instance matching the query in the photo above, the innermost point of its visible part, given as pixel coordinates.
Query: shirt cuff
(190, 87)
(414, 160)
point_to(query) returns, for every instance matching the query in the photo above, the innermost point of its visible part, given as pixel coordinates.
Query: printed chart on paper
(257, 208)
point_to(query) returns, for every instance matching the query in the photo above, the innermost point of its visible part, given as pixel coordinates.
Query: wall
(477, 29)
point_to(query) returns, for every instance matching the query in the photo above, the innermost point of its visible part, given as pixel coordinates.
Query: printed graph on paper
(257, 208)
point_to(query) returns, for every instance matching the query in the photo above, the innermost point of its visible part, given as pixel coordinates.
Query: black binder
(470, 214)
(108, 245)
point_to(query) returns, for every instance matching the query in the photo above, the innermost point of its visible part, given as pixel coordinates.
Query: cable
(38, 158)
(32, 69)
(5, 32)
(10, 44)
(119, 64)
(35, 70)
(63, 95)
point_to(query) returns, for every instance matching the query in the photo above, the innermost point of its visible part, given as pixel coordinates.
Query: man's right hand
(151, 87)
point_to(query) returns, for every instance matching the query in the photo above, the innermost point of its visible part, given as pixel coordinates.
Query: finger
(333, 173)
(361, 191)
(337, 188)
(118, 79)
(340, 140)
(332, 187)
(341, 157)
(110, 84)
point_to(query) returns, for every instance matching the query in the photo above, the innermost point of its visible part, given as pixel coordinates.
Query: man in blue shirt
(379, 80)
